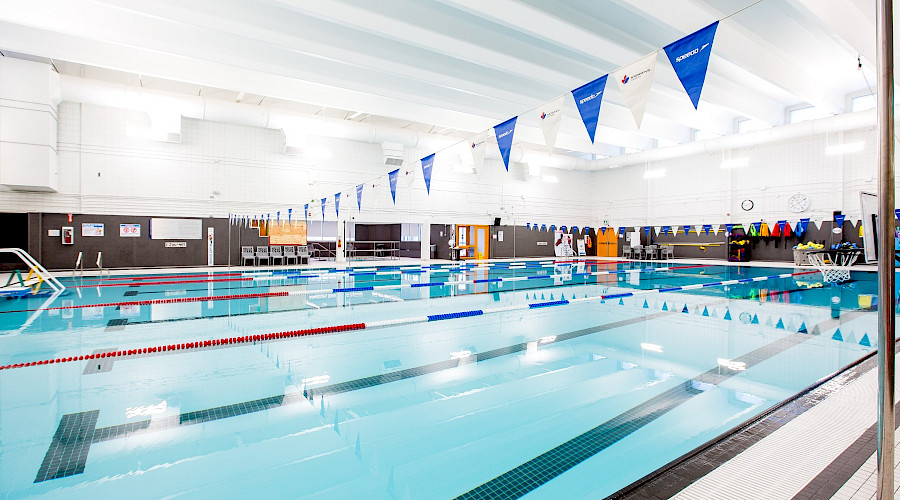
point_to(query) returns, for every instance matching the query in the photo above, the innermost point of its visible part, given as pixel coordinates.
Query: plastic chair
(290, 253)
(262, 253)
(652, 252)
(303, 254)
(247, 254)
(627, 252)
(275, 254)
(667, 252)
(639, 252)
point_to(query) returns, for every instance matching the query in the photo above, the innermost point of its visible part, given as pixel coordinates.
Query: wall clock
(799, 202)
(747, 205)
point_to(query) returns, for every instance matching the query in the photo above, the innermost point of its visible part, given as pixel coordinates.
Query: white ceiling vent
(392, 153)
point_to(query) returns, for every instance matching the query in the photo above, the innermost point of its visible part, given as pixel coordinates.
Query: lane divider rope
(196, 345)
(182, 300)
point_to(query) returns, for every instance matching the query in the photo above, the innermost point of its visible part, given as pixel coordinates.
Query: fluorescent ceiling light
(849, 147)
(651, 347)
(550, 178)
(736, 162)
(654, 174)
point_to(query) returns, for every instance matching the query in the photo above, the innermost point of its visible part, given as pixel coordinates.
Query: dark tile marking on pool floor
(131, 293)
(243, 408)
(536, 472)
(116, 324)
(101, 365)
(68, 451)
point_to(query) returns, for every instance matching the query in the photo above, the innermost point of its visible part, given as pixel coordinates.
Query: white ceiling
(458, 67)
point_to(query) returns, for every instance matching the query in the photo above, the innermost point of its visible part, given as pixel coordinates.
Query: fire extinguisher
(339, 243)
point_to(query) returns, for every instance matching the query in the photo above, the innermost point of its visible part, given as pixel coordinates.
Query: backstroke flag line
(504, 133)
(690, 59)
(550, 114)
(588, 98)
(337, 205)
(359, 189)
(427, 165)
(634, 81)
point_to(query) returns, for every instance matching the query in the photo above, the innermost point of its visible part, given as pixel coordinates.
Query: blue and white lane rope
(553, 303)
(398, 286)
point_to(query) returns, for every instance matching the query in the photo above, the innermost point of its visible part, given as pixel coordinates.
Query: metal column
(885, 231)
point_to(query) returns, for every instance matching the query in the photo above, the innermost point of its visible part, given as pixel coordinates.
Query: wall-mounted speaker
(496, 221)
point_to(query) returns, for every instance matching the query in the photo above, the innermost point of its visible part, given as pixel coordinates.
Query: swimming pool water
(559, 380)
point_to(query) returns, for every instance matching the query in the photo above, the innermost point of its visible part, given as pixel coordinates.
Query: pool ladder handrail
(38, 269)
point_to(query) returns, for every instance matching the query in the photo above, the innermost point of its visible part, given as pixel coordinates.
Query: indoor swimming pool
(538, 378)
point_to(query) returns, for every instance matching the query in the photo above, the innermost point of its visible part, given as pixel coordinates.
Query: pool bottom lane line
(536, 472)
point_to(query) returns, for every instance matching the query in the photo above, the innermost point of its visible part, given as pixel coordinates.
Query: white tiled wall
(219, 168)
(697, 190)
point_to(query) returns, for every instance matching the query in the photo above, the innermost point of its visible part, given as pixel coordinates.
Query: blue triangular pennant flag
(897, 212)
(837, 335)
(289, 214)
(727, 315)
(359, 189)
(685, 310)
(865, 341)
(588, 98)
(665, 307)
(504, 133)
(392, 180)
(755, 320)
(324, 201)
(839, 220)
(728, 228)
(666, 229)
(306, 212)
(781, 225)
(705, 311)
(687, 229)
(707, 228)
(527, 225)
(647, 229)
(621, 302)
(602, 230)
(646, 305)
(278, 217)
(427, 164)
(622, 232)
(690, 59)
(337, 204)
(780, 324)
(802, 328)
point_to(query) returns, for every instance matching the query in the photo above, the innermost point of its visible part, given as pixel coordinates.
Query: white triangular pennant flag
(634, 81)
(675, 230)
(637, 229)
(478, 147)
(550, 115)
(657, 229)
(716, 228)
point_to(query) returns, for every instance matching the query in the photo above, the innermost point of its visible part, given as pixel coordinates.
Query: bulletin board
(287, 234)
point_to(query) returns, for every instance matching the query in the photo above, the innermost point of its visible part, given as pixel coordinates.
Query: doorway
(474, 241)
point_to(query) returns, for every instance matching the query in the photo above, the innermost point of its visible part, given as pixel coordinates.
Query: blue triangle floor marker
(865, 341)
(727, 315)
(705, 311)
(685, 310)
(802, 328)
(780, 324)
(646, 306)
(621, 302)
(755, 320)
(837, 335)
(665, 307)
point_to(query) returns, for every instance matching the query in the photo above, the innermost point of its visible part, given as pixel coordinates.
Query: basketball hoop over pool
(834, 264)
